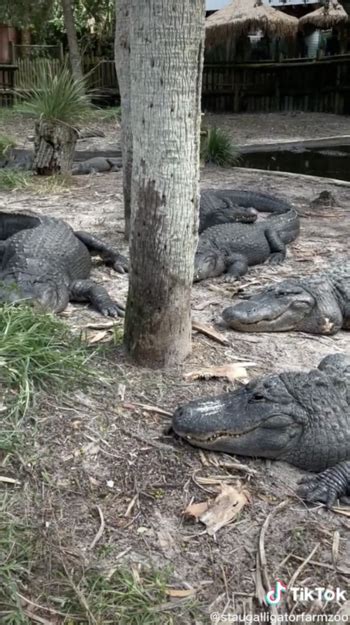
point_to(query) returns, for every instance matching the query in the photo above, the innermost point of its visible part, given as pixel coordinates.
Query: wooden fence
(300, 84)
(294, 84)
(7, 84)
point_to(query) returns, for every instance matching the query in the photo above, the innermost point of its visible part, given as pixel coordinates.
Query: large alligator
(220, 206)
(317, 304)
(43, 260)
(302, 418)
(232, 247)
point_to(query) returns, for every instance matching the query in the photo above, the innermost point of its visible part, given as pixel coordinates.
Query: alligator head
(32, 286)
(290, 305)
(293, 417)
(208, 263)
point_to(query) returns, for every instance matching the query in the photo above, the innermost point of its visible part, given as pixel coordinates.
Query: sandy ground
(102, 449)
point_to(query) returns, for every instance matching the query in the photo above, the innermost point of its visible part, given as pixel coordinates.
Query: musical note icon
(273, 597)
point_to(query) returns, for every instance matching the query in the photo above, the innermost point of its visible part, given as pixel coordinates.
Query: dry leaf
(180, 592)
(232, 372)
(96, 337)
(221, 511)
(195, 510)
(8, 480)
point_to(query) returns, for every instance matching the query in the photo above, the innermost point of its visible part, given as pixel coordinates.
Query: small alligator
(232, 247)
(302, 418)
(317, 304)
(43, 260)
(98, 164)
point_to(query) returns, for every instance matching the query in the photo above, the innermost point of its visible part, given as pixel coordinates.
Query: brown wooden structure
(294, 84)
(7, 83)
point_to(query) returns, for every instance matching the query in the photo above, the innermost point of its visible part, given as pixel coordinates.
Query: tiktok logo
(273, 597)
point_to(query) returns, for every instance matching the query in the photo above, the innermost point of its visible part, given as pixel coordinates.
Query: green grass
(37, 352)
(6, 143)
(15, 556)
(11, 179)
(109, 114)
(56, 97)
(128, 597)
(218, 149)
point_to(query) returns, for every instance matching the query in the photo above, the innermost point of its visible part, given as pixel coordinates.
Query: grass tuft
(6, 143)
(218, 149)
(37, 352)
(129, 597)
(56, 96)
(12, 179)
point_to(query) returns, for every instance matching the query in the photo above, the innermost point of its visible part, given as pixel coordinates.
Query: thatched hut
(242, 17)
(331, 15)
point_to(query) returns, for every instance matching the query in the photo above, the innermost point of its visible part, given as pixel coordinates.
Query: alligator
(300, 417)
(43, 261)
(316, 304)
(98, 164)
(231, 247)
(220, 206)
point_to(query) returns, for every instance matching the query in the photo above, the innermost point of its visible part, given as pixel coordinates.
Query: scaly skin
(232, 247)
(301, 418)
(317, 304)
(43, 261)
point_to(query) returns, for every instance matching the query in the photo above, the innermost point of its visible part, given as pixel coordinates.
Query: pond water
(327, 162)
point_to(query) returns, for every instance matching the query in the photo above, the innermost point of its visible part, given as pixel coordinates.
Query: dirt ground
(103, 451)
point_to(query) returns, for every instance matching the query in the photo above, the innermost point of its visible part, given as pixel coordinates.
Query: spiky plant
(56, 96)
(58, 102)
(6, 143)
(218, 149)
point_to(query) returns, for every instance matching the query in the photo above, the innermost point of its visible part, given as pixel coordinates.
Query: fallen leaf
(180, 592)
(96, 337)
(221, 511)
(232, 372)
(195, 510)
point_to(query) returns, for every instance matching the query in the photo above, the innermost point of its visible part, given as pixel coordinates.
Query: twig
(302, 566)
(210, 332)
(148, 408)
(323, 565)
(100, 530)
(40, 607)
(261, 555)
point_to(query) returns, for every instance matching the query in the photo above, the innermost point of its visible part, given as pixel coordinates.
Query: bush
(218, 149)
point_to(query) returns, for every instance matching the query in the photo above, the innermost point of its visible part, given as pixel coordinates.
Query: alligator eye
(258, 397)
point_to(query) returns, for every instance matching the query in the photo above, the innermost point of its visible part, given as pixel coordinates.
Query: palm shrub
(218, 149)
(58, 102)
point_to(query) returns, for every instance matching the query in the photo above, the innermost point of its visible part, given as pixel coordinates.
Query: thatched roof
(243, 16)
(331, 14)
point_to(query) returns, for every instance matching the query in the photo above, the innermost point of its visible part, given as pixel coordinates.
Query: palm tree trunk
(122, 62)
(166, 69)
(73, 47)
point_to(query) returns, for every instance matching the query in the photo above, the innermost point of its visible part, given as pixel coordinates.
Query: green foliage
(218, 149)
(56, 96)
(130, 598)
(15, 548)
(37, 351)
(25, 14)
(11, 179)
(6, 143)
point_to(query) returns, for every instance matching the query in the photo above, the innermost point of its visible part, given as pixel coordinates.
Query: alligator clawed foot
(121, 264)
(113, 310)
(276, 258)
(321, 488)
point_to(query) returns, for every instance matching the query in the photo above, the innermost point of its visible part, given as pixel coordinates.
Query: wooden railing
(7, 84)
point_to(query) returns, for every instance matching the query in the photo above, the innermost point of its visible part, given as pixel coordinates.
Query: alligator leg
(327, 486)
(236, 267)
(106, 252)
(277, 247)
(88, 290)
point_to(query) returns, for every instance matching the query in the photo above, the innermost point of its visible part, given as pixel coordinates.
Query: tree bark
(74, 54)
(122, 62)
(54, 146)
(166, 69)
